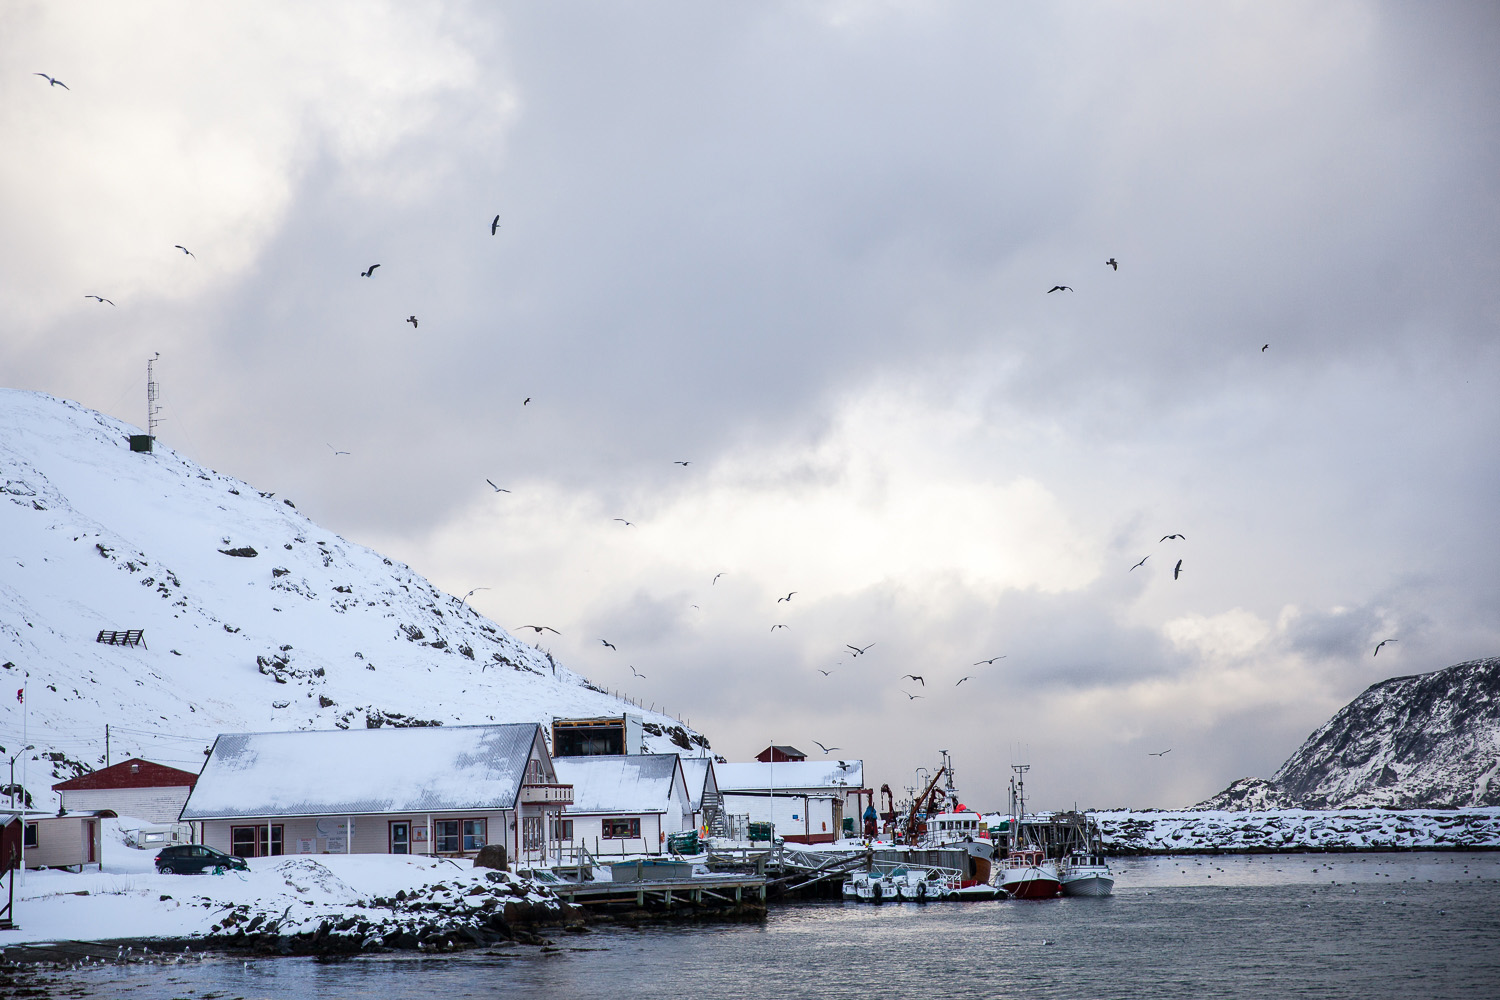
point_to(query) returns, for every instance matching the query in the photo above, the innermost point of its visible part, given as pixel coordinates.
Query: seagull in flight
(412, 319)
(825, 673)
(539, 629)
(52, 81)
(1382, 643)
(787, 598)
(775, 627)
(960, 681)
(608, 643)
(1139, 564)
(185, 250)
(1150, 753)
(1113, 263)
(526, 400)
(856, 649)
(100, 298)
(1058, 288)
(1177, 570)
(637, 673)
(370, 272)
(472, 593)
(494, 225)
(1165, 537)
(715, 579)
(915, 677)
(683, 464)
(990, 660)
(335, 450)
(1263, 348)
(913, 697)
(628, 524)
(827, 749)
(496, 488)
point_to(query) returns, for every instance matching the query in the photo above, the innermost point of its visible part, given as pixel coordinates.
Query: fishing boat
(1086, 875)
(1028, 874)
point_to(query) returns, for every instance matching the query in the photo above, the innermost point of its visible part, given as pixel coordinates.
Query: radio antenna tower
(153, 394)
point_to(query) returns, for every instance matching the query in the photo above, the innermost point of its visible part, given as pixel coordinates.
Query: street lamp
(13, 759)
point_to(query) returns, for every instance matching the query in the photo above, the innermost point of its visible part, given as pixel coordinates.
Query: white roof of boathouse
(697, 771)
(802, 775)
(612, 783)
(347, 772)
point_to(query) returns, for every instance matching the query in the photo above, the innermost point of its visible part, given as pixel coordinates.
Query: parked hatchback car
(194, 859)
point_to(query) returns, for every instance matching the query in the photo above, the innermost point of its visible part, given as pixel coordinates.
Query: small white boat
(1087, 875)
(1028, 874)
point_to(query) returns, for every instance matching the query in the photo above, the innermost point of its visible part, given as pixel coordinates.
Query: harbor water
(1326, 926)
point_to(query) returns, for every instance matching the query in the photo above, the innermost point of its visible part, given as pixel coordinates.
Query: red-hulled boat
(1027, 874)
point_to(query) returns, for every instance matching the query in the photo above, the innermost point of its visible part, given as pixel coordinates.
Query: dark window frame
(278, 839)
(31, 837)
(611, 828)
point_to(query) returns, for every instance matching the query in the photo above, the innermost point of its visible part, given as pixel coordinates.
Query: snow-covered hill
(1430, 741)
(254, 617)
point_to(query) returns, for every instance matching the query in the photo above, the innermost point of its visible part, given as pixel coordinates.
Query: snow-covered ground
(1298, 829)
(255, 618)
(127, 899)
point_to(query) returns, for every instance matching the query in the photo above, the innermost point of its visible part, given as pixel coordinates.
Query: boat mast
(1018, 785)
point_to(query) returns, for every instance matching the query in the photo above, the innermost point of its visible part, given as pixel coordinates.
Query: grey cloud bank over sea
(806, 248)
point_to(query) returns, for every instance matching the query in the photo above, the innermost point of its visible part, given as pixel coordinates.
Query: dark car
(195, 859)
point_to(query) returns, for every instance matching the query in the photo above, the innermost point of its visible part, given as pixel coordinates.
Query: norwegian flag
(20, 694)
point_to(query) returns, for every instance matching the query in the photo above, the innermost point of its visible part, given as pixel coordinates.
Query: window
(531, 833)
(533, 771)
(473, 834)
(250, 841)
(562, 829)
(445, 836)
(31, 835)
(622, 829)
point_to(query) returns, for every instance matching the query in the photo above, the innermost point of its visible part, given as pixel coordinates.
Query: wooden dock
(711, 891)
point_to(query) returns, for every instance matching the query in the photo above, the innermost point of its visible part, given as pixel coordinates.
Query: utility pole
(153, 395)
(106, 744)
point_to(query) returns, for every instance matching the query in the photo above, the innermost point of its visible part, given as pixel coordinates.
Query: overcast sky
(806, 248)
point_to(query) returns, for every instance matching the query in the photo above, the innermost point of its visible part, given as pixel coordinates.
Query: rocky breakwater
(469, 908)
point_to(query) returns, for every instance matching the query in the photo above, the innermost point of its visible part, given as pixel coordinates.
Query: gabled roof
(788, 752)
(635, 783)
(799, 774)
(132, 773)
(697, 771)
(347, 772)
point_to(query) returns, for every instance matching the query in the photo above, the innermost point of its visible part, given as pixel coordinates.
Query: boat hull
(1031, 883)
(1093, 884)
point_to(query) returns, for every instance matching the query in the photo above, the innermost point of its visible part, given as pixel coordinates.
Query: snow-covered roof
(808, 774)
(696, 770)
(635, 783)
(361, 771)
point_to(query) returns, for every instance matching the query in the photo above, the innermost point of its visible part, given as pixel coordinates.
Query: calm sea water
(1358, 926)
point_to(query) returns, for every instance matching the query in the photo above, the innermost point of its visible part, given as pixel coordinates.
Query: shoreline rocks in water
(1298, 830)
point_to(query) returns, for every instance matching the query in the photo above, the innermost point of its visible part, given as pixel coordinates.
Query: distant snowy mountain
(253, 617)
(1431, 741)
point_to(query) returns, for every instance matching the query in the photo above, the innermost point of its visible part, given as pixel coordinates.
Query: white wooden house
(625, 804)
(139, 788)
(444, 790)
(71, 840)
(806, 800)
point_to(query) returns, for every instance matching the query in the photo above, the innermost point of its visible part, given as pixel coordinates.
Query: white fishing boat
(1086, 875)
(1028, 874)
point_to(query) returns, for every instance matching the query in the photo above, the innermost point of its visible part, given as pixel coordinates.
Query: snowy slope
(1428, 741)
(309, 631)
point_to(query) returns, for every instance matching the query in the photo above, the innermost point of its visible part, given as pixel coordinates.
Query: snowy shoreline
(1297, 831)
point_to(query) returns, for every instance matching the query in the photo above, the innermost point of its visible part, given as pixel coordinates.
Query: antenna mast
(153, 395)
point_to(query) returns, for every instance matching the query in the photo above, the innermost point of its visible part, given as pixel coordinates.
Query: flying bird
(1058, 288)
(608, 643)
(1263, 348)
(1113, 263)
(1139, 564)
(100, 298)
(913, 697)
(683, 464)
(827, 749)
(960, 681)
(856, 649)
(494, 225)
(1382, 643)
(539, 629)
(637, 673)
(990, 660)
(715, 579)
(496, 488)
(472, 593)
(775, 627)
(335, 450)
(526, 400)
(915, 677)
(1177, 570)
(185, 250)
(628, 524)
(1165, 537)
(787, 598)
(412, 320)
(1150, 753)
(370, 272)
(825, 673)
(52, 80)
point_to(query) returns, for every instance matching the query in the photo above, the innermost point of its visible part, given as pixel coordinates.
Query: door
(90, 841)
(400, 837)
